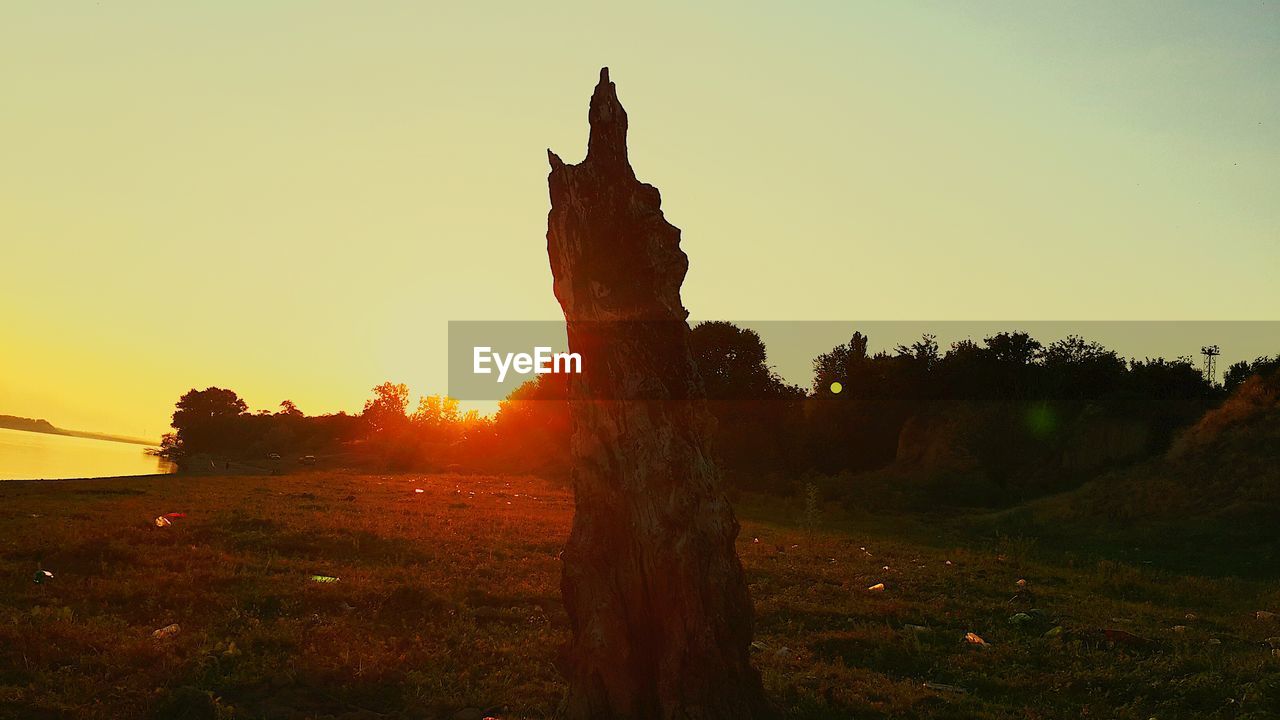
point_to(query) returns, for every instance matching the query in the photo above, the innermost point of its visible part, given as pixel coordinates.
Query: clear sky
(291, 199)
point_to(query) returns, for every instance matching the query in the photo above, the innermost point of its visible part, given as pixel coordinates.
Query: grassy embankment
(448, 599)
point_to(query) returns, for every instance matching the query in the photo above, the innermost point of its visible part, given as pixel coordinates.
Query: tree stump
(658, 606)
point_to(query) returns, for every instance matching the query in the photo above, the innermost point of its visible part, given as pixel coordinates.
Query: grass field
(447, 605)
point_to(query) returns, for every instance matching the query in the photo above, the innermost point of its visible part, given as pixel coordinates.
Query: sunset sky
(291, 199)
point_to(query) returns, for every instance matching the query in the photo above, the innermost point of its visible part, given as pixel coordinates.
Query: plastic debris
(1273, 642)
(167, 519)
(1191, 617)
(1021, 583)
(1179, 628)
(324, 579)
(419, 490)
(878, 587)
(167, 631)
(943, 687)
(1052, 632)
(974, 639)
(42, 576)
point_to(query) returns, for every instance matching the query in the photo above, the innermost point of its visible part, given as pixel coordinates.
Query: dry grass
(448, 599)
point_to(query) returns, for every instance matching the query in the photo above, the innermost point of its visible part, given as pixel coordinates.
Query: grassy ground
(447, 605)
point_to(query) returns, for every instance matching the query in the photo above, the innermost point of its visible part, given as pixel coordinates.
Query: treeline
(987, 422)
(214, 430)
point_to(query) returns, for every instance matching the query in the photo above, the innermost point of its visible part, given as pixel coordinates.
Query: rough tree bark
(658, 606)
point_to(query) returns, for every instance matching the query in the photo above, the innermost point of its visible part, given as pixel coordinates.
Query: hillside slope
(1211, 500)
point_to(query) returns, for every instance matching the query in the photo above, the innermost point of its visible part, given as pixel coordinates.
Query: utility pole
(1210, 353)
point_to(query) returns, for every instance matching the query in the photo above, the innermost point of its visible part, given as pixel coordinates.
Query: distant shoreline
(148, 476)
(11, 422)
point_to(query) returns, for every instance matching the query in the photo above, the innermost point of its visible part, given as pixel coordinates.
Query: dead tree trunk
(660, 616)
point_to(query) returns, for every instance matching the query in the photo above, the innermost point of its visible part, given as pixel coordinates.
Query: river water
(28, 456)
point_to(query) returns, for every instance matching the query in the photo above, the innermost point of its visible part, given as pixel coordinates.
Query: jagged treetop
(607, 145)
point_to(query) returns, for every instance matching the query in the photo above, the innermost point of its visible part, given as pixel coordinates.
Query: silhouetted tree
(435, 411)
(1080, 368)
(1243, 370)
(758, 416)
(205, 420)
(387, 409)
(532, 427)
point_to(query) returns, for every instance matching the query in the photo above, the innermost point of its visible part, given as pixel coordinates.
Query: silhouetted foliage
(987, 422)
(1241, 371)
(758, 416)
(1004, 419)
(205, 421)
(216, 423)
(387, 410)
(532, 428)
